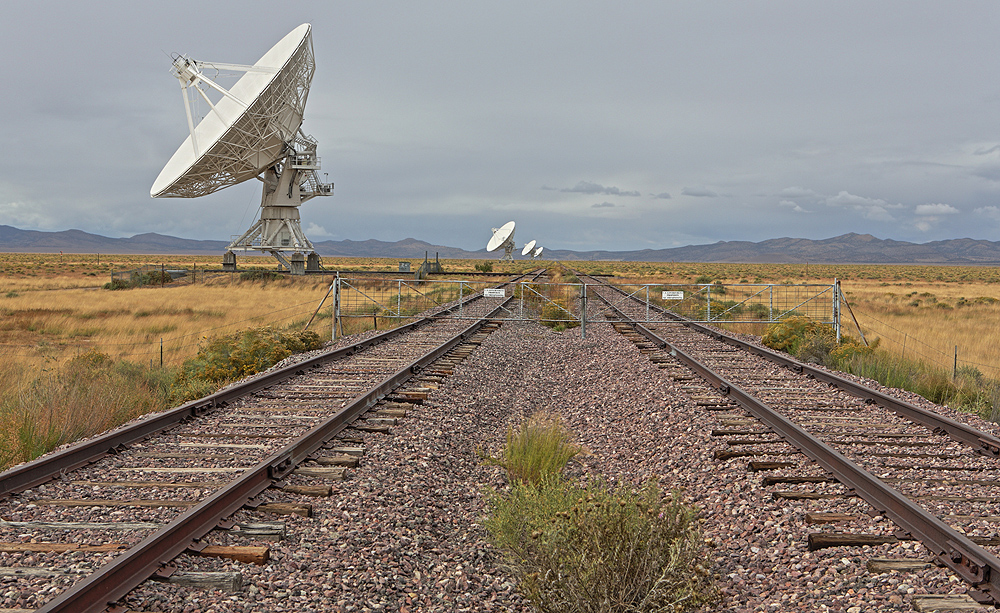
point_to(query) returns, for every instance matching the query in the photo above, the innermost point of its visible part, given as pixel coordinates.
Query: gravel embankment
(404, 533)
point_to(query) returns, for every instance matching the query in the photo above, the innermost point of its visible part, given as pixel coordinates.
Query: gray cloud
(935, 209)
(661, 196)
(699, 192)
(586, 187)
(874, 209)
(990, 173)
(603, 205)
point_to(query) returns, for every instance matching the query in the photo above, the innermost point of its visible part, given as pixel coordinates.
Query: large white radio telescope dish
(503, 237)
(253, 131)
(527, 248)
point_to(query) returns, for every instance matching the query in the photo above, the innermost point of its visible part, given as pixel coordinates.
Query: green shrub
(788, 334)
(703, 280)
(260, 275)
(759, 310)
(117, 284)
(557, 317)
(229, 358)
(592, 548)
(485, 267)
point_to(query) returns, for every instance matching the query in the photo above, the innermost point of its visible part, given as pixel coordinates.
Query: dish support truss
(287, 185)
(268, 134)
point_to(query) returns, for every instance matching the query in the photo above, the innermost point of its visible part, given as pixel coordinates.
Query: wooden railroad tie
(736, 442)
(333, 473)
(249, 554)
(829, 518)
(787, 495)
(317, 491)
(274, 530)
(885, 565)
(228, 582)
(286, 508)
(758, 465)
(944, 602)
(726, 455)
(734, 432)
(798, 479)
(822, 540)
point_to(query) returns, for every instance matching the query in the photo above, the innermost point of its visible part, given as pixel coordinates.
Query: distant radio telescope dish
(537, 252)
(527, 248)
(503, 237)
(253, 131)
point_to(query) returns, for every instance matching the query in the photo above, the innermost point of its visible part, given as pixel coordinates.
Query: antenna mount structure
(253, 131)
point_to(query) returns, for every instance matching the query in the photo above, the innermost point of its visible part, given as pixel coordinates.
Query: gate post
(583, 313)
(836, 307)
(461, 306)
(336, 306)
(647, 304)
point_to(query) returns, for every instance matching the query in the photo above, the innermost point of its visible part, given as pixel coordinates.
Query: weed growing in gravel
(540, 448)
(593, 548)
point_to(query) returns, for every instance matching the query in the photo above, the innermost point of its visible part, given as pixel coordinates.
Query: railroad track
(937, 479)
(85, 525)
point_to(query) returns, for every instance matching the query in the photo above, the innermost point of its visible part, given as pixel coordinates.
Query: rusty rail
(975, 565)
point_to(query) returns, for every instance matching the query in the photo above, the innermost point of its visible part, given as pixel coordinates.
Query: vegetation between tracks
(592, 547)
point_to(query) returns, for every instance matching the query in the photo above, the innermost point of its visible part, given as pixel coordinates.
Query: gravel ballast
(404, 532)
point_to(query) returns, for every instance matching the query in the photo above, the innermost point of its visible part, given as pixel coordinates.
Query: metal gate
(362, 304)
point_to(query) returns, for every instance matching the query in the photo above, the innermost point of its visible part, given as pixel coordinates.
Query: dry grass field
(52, 307)
(76, 359)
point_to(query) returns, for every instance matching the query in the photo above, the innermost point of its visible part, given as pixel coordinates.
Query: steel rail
(975, 565)
(984, 443)
(114, 580)
(51, 466)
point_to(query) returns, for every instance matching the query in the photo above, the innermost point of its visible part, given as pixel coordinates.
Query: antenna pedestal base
(229, 261)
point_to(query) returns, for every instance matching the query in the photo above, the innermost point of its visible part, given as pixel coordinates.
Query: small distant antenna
(527, 248)
(537, 252)
(503, 237)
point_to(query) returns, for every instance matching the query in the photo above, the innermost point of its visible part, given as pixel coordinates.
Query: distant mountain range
(849, 248)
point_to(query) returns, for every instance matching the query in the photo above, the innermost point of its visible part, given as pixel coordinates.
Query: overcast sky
(593, 125)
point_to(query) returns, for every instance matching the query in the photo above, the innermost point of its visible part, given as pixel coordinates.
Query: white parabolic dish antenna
(527, 248)
(503, 237)
(537, 252)
(253, 131)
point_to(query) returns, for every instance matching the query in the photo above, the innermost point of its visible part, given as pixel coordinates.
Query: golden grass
(50, 307)
(60, 313)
